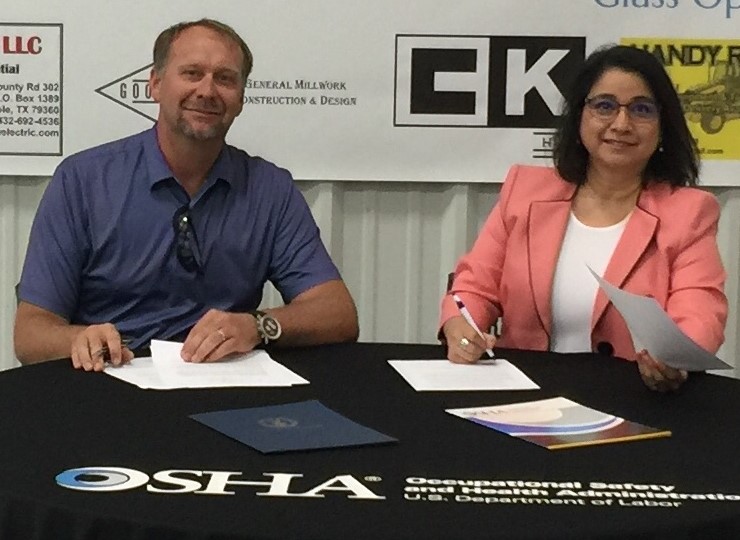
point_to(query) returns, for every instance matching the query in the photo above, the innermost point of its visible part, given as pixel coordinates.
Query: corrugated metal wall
(393, 242)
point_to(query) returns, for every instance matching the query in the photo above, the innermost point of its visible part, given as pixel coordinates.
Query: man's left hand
(219, 334)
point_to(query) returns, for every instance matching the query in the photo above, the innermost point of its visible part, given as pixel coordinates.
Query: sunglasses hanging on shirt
(186, 243)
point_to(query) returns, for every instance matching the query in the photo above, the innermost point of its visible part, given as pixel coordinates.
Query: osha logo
(483, 81)
(181, 481)
(102, 479)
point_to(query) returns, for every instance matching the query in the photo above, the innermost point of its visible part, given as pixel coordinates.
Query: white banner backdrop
(423, 90)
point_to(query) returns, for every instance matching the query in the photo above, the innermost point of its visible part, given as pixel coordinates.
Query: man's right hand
(98, 344)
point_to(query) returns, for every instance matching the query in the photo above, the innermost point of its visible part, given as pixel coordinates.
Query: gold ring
(223, 336)
(464, 342)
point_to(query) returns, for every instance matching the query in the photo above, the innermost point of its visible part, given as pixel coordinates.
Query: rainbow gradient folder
(558, 423)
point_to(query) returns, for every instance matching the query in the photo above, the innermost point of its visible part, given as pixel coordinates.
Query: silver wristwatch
(268, 327)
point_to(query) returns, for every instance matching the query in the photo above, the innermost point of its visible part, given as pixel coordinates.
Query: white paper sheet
(167, 370)
(139, 372)
(435, 375)
(657, 333)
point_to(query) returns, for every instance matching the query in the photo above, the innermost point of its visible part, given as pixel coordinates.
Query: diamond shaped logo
(132, 91)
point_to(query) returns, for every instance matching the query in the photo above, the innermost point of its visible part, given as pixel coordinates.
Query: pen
(105, 351)
(469, 318)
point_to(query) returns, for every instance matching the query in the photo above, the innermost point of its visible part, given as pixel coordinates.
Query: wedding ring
(464, 342)
(221, 333)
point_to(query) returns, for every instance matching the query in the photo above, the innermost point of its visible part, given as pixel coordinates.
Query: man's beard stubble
(204, 134)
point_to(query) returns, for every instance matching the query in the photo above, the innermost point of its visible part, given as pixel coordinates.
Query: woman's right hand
(464, 345)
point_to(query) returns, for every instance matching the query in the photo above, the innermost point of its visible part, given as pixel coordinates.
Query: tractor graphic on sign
(717, 101)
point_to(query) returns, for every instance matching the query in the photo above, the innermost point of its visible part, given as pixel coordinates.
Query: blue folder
(306, 425)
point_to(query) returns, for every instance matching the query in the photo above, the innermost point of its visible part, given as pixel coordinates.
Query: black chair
(450, 279)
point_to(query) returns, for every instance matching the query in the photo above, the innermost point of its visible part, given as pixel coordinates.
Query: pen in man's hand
(104, 351)
(469, 319)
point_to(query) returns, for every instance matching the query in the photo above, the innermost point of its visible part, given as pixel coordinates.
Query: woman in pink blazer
(619, 199)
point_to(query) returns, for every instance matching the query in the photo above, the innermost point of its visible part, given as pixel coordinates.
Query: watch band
(268, 327)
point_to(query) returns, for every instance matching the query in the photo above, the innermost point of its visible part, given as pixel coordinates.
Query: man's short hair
(164, 42)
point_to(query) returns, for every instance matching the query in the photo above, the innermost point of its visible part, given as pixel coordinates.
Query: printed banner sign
(377, 91)
(31, 89)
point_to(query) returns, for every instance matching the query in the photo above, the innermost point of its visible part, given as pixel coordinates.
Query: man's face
(200, 89)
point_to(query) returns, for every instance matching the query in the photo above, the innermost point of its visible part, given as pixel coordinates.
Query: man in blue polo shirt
(172, 233)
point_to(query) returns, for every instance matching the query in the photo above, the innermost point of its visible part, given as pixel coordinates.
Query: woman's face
(620, 123)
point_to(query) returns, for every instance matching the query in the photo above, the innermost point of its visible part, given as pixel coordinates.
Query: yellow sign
(706, 74)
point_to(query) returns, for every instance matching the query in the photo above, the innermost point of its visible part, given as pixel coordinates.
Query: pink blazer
(668, 251)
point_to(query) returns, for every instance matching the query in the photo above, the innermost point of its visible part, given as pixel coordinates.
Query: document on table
(435, 375)
(657, 333)
(307, 425)
(167, 370)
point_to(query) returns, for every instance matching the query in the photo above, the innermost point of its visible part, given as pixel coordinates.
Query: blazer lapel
(547, 223)
(635, 239)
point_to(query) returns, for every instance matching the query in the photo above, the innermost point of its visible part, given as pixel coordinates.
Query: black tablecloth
(55, 419)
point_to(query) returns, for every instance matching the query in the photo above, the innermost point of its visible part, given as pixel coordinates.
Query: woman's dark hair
(678, 161)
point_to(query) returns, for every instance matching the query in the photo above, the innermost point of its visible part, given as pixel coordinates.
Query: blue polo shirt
(103, 245)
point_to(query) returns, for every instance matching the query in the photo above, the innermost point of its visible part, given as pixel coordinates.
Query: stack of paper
(430, 375)
(167, 370)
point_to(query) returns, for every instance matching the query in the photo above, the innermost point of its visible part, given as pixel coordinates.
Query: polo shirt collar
(159, 170)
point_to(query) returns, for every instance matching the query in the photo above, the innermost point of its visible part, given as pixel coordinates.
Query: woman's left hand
(657, 376)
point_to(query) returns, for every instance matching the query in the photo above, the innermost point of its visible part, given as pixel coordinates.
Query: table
(55, 419)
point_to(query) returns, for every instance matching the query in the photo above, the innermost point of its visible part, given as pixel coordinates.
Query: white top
(574, 288)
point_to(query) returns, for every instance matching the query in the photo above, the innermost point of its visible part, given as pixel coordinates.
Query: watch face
(271, 328)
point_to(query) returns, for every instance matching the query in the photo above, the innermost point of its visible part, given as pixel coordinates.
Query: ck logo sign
(478, 81)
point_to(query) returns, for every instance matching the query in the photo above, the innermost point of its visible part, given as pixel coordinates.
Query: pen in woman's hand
(469, 319)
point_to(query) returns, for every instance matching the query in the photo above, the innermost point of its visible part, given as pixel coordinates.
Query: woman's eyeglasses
(606, 107)
(186, 244)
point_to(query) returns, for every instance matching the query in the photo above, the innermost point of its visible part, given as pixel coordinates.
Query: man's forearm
(40, 335)
(323, 314)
